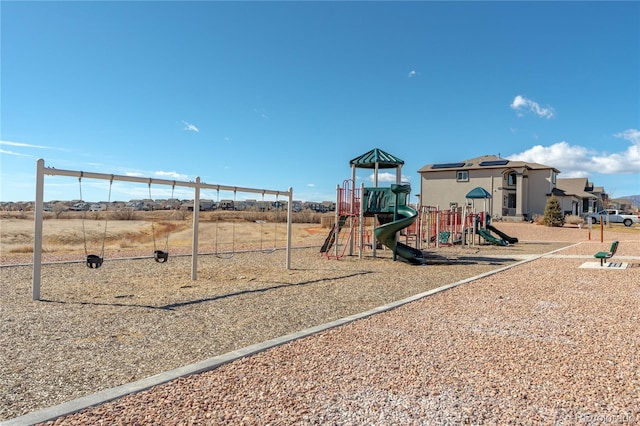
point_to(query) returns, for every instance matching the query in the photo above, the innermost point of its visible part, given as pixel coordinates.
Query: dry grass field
(65, 238)
(133, 318)
(219, 232)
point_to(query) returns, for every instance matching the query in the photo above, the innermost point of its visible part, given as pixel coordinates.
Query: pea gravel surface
(544, 342)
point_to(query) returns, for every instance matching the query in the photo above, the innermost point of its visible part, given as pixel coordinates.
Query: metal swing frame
(196, 185)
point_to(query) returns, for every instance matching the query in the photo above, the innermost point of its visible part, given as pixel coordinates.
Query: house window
(462, 176)
(553, 178)
(511, 201)
(511, 179)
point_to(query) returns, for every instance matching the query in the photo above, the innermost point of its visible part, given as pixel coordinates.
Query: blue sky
(278, 94)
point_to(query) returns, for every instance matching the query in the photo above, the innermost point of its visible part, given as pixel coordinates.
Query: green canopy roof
(477, 193)
(376, 156)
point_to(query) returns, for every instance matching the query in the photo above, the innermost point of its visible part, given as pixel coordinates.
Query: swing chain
(275, 225)
(160, 256)
(84, 234)
(106, 216)
(94, 261)
(233, 227)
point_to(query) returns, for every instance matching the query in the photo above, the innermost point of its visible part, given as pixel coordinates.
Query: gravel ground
(544, 342)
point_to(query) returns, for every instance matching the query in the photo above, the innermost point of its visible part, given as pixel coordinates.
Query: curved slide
(510, 240)
(490, 238)
(386, 234)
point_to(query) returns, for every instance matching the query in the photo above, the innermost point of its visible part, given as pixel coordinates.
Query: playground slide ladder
(333, 234)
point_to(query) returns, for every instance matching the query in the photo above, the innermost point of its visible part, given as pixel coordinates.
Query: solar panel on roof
(447, 165)
(494, 163)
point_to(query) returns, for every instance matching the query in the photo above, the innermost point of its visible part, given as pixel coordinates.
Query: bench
(604, 255)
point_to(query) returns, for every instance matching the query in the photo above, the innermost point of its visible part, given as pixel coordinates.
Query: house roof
(573, 186)
(485, 162)
(384, 160)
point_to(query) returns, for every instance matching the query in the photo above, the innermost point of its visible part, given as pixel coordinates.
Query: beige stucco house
(518, 189)
(578, 196)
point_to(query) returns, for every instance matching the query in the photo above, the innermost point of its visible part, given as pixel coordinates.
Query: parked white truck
(612, 216)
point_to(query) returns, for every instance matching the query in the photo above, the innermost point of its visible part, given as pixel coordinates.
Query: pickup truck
(612, 216)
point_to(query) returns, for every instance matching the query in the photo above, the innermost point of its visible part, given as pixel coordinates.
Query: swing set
(161, 255)
(229, 254)
(94, 261)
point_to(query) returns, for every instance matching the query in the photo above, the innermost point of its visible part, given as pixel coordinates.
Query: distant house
(518, 189)
(135, 205)
(226, 205)
(323, 207)
(578, 196)
(253, 204)
(207, 205)
(622, 204)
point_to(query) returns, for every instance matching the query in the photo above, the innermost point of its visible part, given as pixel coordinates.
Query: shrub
(306, 216)
(125, 214)
(552, 213)
(538, 219)
(573, 219)
(58, 211)
(22, 249)
(181, 214)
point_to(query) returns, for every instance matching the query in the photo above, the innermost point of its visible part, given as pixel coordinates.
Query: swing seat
(160, 256)
(94, 261)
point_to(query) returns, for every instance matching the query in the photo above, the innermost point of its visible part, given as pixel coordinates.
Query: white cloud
(261, 112)
(578, 161)
(22, 145)
(412, 73)
(632, 135)
(172, 175)
(134, 174)
(387, 177)
(311, 185)
(520, 104)
(384, 177)
(190, 127)
(4, 151)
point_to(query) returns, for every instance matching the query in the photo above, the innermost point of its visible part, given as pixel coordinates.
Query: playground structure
(482, 222)
(394, 218)
(94, 261)
(387, 206)
(461, 225)
(455, 226)
(390, 211)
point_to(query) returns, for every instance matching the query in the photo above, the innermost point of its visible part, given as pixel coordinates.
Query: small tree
(553, 213)
(58, 210)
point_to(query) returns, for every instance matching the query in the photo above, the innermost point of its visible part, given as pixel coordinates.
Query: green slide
(490, 238)
(510, 240)
(386, 234)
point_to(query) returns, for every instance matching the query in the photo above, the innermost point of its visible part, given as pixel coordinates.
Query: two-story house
(518, 189)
